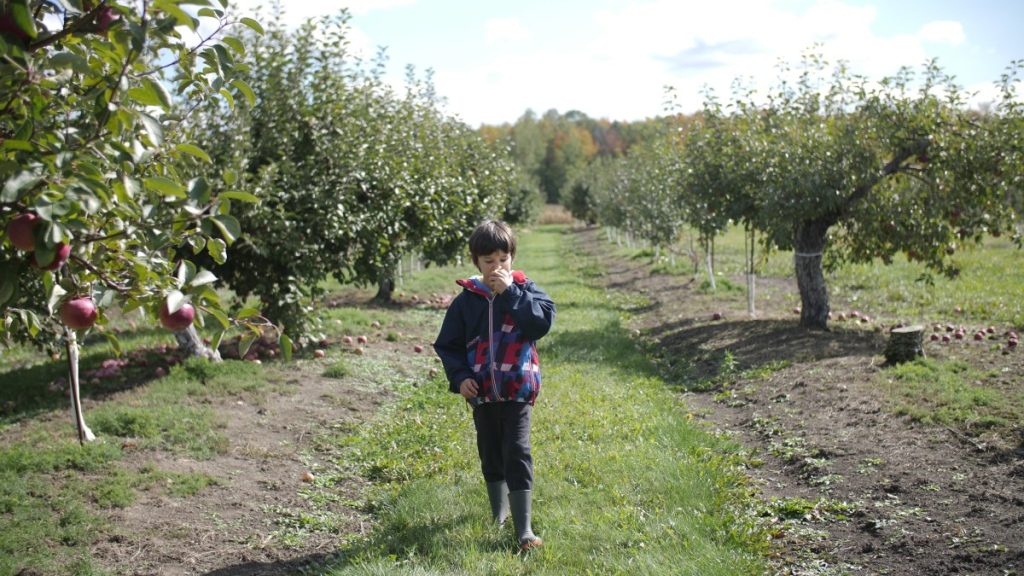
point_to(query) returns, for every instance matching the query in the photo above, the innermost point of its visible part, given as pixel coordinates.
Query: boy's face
(497, 260)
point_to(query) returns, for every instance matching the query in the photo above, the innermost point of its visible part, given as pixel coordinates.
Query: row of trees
(351, 174)
(831, 166)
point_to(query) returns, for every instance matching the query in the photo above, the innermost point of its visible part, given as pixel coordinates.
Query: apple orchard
(155, 155)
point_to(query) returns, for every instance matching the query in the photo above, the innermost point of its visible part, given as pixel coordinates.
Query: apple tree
(351, 174)
(854, 170)
(97, 206)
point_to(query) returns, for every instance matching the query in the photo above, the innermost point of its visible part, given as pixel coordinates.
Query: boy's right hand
(468, 388)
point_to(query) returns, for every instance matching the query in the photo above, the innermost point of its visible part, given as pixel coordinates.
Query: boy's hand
(468, 388)
(499, 280)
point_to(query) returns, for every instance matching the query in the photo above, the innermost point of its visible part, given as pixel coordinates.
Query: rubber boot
(522, 508)
(497, 493)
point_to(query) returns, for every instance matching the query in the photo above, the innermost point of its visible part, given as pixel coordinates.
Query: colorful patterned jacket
(492, 339)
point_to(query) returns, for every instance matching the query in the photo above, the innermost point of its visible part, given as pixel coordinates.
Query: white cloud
(943, 32)
(500, 30)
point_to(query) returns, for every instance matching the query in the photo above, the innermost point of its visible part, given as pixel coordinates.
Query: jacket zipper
(490, 345)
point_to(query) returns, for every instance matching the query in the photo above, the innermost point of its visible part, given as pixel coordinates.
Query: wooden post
(905, 344)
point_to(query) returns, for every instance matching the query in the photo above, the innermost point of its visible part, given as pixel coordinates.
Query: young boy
(487, 344)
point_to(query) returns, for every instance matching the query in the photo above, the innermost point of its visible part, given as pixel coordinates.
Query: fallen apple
(319, 353)
(347, 339)
(20, 231)
(361, 339)
(307, 476)
(79, 313)
(417, 348)
(716, 316)
(178, 320)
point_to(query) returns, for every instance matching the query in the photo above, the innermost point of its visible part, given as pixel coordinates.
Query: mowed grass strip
(626, 482)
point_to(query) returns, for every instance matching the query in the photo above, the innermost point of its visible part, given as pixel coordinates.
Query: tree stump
(905, 344)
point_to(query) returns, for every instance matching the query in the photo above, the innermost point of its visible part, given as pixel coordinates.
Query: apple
(20, 231)
(417, 348)
(934, 337)
(106, 17)
(433, 372)
(78, 313)
(979, 336)
(854, 314)
(347, 339)
(319, 353)
(1012, 342)
(160, 372)
(9, 28)
(946, 338)
(841, 316)
(716, 316)
(179, 320)
(361, 339)
(359, 350)
(59, 257)
(307, 476)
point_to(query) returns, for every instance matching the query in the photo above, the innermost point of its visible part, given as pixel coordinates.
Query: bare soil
(921, 499)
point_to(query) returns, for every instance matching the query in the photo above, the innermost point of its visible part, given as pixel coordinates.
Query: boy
(487, 345)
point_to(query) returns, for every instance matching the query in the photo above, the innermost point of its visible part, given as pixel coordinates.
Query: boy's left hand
(499, 280)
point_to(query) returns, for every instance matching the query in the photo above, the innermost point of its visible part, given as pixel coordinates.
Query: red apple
(319, 353)
(716, 316)
(359, 350)
(106, 17)
(78, 313)
(59, 257)
(934, 337)
(417, 348)
(179, 320)
(946, 338)
(979, 336)
(1012, 342)
(19, 230)
(347, 339)
(361, 339)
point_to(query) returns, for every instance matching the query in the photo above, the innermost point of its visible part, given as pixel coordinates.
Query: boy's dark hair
(491, 236)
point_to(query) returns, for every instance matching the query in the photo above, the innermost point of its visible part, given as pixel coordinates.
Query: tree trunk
(386, 280)
(190, 344)
(809, 245)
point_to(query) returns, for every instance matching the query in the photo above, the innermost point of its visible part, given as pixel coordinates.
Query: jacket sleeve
(530, 307)
(450, 346)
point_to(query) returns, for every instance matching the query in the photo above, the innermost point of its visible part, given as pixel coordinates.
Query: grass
(951, 392)
(54, 492)
(988, 288)
(626, 483)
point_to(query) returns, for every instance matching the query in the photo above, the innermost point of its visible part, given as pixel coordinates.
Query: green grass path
(626, 482)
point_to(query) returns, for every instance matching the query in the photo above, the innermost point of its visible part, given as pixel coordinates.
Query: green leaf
(244, 343)
(223, 320)
(234, 43)
(153, 127)
(286, 347)
(21, 182)
(7, 287)
(217, 337)
(115, 344)
(218, 250)
(23, 145)
(229, 227)
(252, 24)
(203, 277)
(247, 313)
(56, 293)
(23, 18)
(165, 186)
(244, 88)
(175, 300)
(239, 195)
(193, 150)
(151, 93)
(178, 14)
(182, 275)
(70, 60)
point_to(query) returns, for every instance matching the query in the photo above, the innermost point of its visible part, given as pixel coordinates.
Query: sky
(613, 59)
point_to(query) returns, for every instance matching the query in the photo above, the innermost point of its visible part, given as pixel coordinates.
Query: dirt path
(894, 496)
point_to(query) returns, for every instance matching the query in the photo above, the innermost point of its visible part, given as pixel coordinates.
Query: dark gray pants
(503, 442)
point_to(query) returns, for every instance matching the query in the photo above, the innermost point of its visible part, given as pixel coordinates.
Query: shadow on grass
(753, 344)
(393, 542)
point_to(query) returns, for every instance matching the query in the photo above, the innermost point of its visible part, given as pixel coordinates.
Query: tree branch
(123, 290)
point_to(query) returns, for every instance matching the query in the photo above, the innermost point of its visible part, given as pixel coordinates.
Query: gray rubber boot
(521, 502)
(497, 493)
